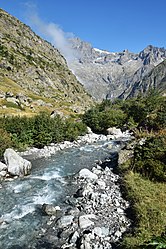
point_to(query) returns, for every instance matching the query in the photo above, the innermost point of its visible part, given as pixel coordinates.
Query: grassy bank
(148, 200)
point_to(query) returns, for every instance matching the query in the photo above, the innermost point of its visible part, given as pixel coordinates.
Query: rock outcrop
(155, 79)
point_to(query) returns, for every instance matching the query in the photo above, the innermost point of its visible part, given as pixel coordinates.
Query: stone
(56, 113)
(86, 173)
(101, 184)
(13, 100)
(101, 231)
(86, 242)
(3, 173)
(120, 210)
(89, 130)
(124, 155)
(114, 131)
(65, 221)
(73, 211)
(79, 193)
(103, 199)
(2, 94)
(74, 237)
(109, 146)
(9, 94)
(84, 221)
(88, 190)
(51, 210)
(16, 165)
(118, 234)
(3, 166)
(98, 231)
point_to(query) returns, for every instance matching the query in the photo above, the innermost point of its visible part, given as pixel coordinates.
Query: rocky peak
(88, 54)
(112, 74)
(152, 55)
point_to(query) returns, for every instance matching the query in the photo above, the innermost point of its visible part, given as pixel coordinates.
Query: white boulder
(16, 165)
(115, 132)
(84, 221)
(86, 173)
(89, 131)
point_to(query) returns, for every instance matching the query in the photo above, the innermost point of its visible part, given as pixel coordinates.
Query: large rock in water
(16, 165)
(87, 174)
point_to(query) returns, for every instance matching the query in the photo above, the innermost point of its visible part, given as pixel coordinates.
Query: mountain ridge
(112, 74)
(37, 68)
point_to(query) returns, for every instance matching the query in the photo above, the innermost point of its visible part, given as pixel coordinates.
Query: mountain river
(48, 183)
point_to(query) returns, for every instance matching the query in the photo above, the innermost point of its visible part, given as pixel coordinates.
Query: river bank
(9, 169)
(89, 138)
(95, 216)
(80, 198)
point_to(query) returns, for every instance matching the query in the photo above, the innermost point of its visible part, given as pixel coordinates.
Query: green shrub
(150, 158)
(21, 130)
(148, 113)
(73, 130)
(104, 116)
(5, 141)
(40, 130)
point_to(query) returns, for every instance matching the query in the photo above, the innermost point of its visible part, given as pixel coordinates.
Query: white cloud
(51, 32)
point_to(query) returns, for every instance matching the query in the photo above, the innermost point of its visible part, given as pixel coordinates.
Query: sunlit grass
(8, 108)
(149, 205)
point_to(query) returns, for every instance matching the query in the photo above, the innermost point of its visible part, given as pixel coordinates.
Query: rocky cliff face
(32, 67)
(111, 75)
(155, 79)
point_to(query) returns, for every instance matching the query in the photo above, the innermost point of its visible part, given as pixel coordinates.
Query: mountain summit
(111, 75)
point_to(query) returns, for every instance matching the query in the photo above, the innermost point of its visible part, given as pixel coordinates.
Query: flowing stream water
(47, 183)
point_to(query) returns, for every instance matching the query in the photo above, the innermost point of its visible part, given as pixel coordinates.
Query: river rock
(84, 221)
(3, 166)
(115, 132)
(16, 165)
(50, 209)
(96, 219)
(101, 231)
(79, 193)
(86, 173)
(85, 242)
(74, 237)
(65, 220)
(3, 173)
(101, 183)
(89, 130)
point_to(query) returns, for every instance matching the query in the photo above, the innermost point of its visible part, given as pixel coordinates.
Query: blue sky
(113, 25)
